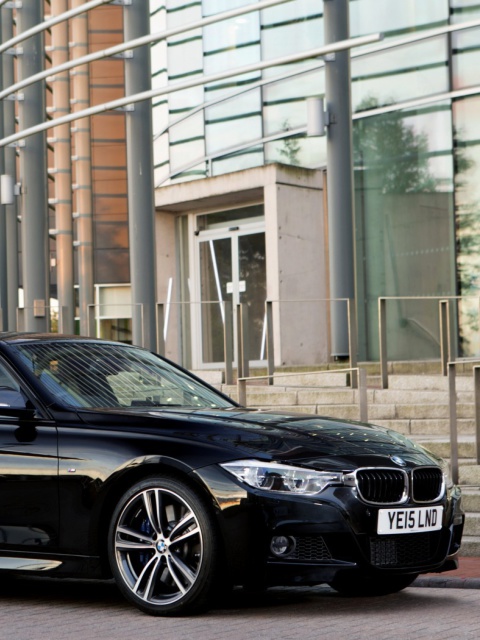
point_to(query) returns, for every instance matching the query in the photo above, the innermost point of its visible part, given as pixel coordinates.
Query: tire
(163, 548)
(366, 586)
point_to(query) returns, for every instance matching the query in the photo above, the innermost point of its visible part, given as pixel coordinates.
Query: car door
(29, 516)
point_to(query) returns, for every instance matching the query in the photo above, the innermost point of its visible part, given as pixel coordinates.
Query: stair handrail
(359, 372)
(351, 327)
(452, 405)
(446, 345)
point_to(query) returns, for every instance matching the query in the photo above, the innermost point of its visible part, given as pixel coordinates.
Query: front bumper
(330, 534)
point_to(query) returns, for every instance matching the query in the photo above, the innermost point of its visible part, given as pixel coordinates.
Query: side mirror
(11, 399)
(14, 404)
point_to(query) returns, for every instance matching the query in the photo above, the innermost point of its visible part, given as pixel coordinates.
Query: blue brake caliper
(146, 527)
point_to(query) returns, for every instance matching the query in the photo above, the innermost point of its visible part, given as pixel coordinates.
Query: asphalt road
(32, 609)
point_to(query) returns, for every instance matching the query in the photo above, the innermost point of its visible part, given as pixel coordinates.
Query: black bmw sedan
(115, 462)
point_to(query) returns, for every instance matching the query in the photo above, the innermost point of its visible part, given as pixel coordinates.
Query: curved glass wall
(416, 178)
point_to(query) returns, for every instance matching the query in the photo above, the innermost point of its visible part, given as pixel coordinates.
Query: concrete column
(63, 172)
(339, 173)
(11, 224)
(33, 173)
(80, 85)
(141, 205)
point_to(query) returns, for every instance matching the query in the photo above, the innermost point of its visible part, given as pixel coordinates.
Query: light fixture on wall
(317, 116)
(8, 190)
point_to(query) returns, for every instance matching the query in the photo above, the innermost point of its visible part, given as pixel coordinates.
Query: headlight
(272, 476)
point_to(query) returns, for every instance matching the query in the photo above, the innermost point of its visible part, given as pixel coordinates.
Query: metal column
(141, 204)
(80, 85)
(10, 169)
(3, 225)
(63, 174)
(33, 173)
(339, 172)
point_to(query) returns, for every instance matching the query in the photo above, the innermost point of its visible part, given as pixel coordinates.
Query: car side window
(6, 380)
(10, 394)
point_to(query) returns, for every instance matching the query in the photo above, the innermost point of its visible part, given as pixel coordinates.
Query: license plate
(412, 520)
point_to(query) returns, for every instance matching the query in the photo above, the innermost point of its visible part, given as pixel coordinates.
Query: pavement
(46, 609)
(467, 576)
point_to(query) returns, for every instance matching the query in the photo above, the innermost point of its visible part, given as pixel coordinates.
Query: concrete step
(431, 411)
(418, 396)
(441, 446)
(440, 426)
(470, 546)
(402, 426)
(471, 499)
(429, 382)
(472, 524)
(308, 409)
(469, 475)
(211, 376)
(342, 412)
(312, 379)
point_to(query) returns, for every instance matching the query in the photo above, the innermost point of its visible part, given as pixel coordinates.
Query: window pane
(465, 45)
(467, 145)
(247, 159)
(215, 276)
(219, 6)
(400, 74)
(393, 17)
(227, 134)
(404, 225)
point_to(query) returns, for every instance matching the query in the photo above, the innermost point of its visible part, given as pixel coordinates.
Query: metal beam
(179, 86)
(132, 44)
(42, 26)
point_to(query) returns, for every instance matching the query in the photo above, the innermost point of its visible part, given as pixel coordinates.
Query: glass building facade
(416, 139)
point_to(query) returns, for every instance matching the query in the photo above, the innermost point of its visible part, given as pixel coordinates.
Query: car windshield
(96, 375)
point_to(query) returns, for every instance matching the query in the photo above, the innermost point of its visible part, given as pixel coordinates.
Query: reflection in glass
(252, 289)
(395, 18)
(402, 73)
(291, 27)
(467, 201)
(253, 157)
(404, 227)
(215, 274)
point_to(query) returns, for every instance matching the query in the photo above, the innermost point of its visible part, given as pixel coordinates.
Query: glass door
(215, 280)
(252, 289)
(231, 267)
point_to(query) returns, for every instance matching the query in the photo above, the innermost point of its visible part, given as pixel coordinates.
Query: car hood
(315, 441)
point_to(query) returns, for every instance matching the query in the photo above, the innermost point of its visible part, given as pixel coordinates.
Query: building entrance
(231, 266)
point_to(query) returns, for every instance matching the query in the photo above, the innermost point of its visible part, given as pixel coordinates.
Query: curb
(447, 583)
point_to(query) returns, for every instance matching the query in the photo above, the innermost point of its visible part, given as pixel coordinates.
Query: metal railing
(352, 333)
(452, 404)
(446, 339)
(162, 315)
(237, 351)
(361, 376)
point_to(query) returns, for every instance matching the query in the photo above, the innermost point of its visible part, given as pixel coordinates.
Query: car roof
(25, 336)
